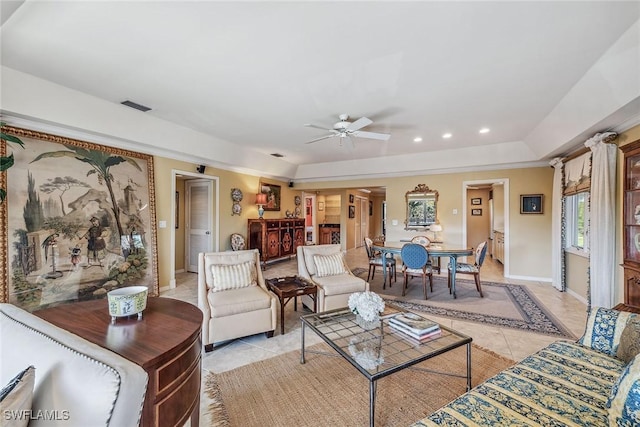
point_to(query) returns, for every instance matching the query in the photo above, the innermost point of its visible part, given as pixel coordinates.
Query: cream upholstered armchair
(324, 265)
(233, 297)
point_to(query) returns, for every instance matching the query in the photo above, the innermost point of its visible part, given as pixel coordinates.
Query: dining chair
(237, 242)
(465, 268)
(415, 260)
(376, 260)
(425, 241)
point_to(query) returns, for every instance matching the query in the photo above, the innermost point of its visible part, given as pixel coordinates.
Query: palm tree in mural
(7, 161)
(101, 163)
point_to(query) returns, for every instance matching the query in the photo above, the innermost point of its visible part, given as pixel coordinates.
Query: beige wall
(577, 278)
(228, 223)
(478, 226)
(529, 236)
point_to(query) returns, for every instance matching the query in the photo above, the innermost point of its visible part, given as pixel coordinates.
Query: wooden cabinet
(166, 343)
(329, 235)
(631, 224)
(498, 246)
(275, 238)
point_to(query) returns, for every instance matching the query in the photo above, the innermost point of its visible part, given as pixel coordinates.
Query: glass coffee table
(379, 352)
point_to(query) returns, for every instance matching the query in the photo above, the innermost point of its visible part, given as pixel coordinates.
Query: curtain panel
(602, 220)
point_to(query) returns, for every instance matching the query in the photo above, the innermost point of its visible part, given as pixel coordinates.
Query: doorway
(189, 215)
(309, 218)
(481, 219)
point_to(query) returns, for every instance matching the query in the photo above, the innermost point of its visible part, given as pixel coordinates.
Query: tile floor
(508, 342)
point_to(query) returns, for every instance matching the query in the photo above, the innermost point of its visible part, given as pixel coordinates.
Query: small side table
(290, 287)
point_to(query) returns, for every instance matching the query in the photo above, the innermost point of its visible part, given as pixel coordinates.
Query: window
(577, 221)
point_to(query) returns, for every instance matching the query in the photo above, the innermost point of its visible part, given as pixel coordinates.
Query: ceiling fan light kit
(345, 130)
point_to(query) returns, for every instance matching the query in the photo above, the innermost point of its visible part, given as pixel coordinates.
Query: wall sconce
(436, 228)
(261, 199)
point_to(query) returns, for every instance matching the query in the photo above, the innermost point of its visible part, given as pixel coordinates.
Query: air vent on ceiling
(277, 155)
(136, 106)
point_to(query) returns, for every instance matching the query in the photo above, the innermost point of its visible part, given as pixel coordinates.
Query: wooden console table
(166, 343)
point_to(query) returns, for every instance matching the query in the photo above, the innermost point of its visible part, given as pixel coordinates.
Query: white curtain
(603, 218)
(556, 226)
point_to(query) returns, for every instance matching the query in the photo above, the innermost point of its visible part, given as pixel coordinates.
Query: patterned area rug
(503, 305)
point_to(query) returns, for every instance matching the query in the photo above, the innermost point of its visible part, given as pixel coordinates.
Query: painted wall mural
(78, 221)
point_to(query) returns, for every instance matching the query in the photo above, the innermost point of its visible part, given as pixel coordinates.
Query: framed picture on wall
(476, 212)
(273, 196)
(476, 201)
(352, 211)
(370, 208)
(351, 198)
(531, 204)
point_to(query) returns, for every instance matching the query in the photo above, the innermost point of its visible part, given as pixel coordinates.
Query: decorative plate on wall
(236, 196)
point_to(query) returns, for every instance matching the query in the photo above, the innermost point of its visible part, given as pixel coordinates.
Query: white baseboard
(530, 278)
(182, 270)
(577, 296)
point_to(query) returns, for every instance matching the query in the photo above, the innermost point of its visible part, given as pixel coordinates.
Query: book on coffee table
(415, 340)
(414, 323)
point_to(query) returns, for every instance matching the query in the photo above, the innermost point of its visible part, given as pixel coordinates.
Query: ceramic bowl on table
(127, 301)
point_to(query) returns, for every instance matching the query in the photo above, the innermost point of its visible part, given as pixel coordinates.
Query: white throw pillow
(329, 265)
(16, 398)
(233, 276)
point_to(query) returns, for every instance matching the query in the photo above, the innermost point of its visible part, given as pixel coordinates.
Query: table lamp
(436, 228)
(261, 200)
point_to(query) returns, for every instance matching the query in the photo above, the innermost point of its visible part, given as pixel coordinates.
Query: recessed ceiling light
(484, 130)
(417, 139)
(447, 135)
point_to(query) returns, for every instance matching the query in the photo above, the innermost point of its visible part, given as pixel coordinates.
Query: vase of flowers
(367, 307)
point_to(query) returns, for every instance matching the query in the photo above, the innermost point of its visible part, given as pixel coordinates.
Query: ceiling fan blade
(372, 135)
(347, 142)
(321, 138)
(317, 127)
(359, 124)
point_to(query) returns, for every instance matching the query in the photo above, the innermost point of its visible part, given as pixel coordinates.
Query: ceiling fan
(345, 130)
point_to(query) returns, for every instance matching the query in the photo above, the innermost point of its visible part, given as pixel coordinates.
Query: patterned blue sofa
(566, 383)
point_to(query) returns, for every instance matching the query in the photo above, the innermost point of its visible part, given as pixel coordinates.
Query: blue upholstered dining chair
(425, 241)
(415, 259)
(464, 268)
(375, 260)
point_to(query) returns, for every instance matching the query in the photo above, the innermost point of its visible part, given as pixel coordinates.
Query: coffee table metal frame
(290, 287)
(338, 328)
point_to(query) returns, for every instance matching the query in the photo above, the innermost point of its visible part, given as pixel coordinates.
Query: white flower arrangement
(367, 305)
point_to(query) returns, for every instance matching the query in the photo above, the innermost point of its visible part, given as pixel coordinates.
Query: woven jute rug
(328, 391)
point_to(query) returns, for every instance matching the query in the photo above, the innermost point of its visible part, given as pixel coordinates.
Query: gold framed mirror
(422, 208)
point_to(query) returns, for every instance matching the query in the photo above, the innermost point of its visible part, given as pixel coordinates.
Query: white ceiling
(253, 73)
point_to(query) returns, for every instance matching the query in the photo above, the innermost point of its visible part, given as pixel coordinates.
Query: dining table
(435, 250)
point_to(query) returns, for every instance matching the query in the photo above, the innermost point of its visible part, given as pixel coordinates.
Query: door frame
(216, 220)
(505, 182)
(315, 237)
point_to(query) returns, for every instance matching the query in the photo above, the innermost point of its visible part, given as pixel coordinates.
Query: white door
(199, 220)
(364, 220)
(361, 222)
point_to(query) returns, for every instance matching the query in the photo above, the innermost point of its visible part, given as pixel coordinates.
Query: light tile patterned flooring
(511, 343)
